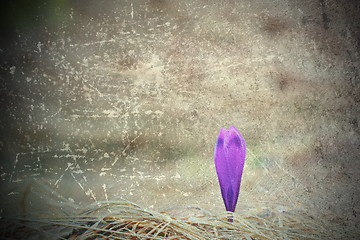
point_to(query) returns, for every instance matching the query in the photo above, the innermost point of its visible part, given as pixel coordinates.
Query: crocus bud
(229, 155)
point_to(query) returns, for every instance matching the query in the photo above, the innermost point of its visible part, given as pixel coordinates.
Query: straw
(127, 220)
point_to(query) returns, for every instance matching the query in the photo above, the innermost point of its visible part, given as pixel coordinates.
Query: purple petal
(230, 153)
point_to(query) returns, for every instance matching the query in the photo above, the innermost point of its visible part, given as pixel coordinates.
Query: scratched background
(109, 100)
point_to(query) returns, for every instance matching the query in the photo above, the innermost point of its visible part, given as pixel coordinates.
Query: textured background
(109, 100)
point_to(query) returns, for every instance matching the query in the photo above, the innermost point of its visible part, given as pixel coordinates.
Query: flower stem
(230, 218)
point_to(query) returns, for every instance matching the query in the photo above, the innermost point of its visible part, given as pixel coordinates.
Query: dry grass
(126, 220)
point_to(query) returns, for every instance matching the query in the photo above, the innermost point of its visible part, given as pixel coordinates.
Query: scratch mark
(116, 159)
(15, 163)
(80, 185)
(100, 94)
(105, 192)
(288, 173)
(56, 113)
(39, 162)
(90, 192)
(108, 101)
(92, 43)
(129, 144)
(132, 11)
(62, 175)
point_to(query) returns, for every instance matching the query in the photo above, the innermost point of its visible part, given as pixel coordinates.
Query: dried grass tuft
(127, 220)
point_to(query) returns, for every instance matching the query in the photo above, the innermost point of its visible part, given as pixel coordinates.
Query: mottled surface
(124, 100)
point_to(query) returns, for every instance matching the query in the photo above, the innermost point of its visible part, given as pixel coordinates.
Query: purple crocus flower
(230, 152)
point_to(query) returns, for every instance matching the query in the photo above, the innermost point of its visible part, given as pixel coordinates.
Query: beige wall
(125, 100)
